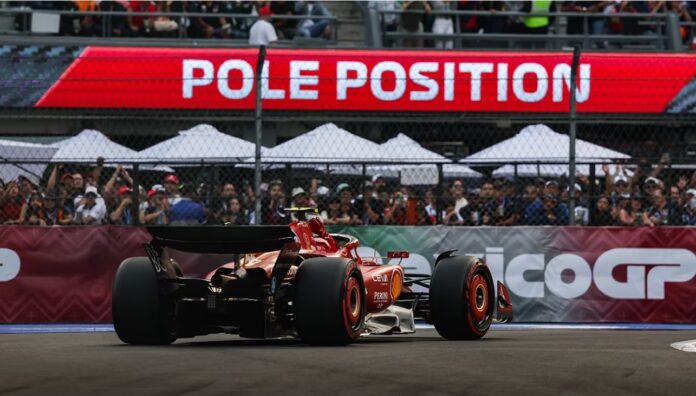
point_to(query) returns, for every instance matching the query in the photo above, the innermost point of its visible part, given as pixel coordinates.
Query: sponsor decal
(381, 296)
(381, 278)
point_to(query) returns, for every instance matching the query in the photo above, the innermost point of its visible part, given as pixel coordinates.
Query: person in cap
(651, 184)
(379, 185)
(581, 212)
(157, 207)
(551, 187)
(172, 185)
(300, 199)
(262, 31)
(90, 212)
(123, 214)
(481, 209)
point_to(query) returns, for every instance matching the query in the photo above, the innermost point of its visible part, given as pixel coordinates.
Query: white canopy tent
(536, 144)
(202, 143)
(88, 145)
(12, 157)
(333, 146)
(325, 144)
(403, 148)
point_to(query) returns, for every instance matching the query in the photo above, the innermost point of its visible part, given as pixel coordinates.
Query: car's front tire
(329, 305)
(462, 298)
(141, 314)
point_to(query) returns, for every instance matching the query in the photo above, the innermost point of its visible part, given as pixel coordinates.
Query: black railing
(664, 28)
(105, 22)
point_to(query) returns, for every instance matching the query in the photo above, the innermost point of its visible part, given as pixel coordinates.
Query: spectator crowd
(103, 195)
(228, 19)
(423, 17)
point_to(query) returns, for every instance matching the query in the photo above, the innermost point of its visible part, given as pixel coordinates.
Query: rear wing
(221, 239)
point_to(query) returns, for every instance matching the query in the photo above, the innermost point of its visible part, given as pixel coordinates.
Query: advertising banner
(65, 275)
(554, 274)
(370, 80)
(567, 274)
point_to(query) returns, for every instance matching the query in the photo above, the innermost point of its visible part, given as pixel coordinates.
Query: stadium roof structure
(536, 144)
(200, 144)
(16, 157)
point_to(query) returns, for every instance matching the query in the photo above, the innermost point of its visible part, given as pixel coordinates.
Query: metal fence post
(672, 36)
(374, 28)
(572, 131)
(257, 167)
(135, 204)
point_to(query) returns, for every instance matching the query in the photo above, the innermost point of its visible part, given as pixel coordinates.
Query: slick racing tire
(141, 314)
(462, 298)
(329, 306)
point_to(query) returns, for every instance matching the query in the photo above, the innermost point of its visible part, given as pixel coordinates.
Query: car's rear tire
(462, 298)
(329, 305)
(140, 313)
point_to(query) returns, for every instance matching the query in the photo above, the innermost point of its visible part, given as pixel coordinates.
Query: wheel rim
(353, 302)
(478, 298)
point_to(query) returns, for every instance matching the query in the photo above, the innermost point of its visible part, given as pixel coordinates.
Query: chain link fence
(159, 166)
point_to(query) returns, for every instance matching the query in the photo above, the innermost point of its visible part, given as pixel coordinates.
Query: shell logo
(9, 265)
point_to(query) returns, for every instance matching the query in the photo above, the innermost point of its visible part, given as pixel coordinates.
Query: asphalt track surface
(505, 362)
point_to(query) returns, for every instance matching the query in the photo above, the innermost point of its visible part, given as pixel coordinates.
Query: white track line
(685, 346)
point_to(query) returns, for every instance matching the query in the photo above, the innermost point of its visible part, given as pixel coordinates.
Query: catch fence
(366, 137)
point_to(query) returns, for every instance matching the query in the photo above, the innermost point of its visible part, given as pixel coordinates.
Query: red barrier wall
(553, 273)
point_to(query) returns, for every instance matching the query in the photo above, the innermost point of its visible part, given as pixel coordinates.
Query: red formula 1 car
(306, 283)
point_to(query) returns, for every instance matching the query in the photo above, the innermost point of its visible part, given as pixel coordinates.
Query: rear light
(396, 285)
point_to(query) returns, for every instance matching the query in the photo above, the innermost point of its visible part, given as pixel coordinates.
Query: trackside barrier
(554, 274)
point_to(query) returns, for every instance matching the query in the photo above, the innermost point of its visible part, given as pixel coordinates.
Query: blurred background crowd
(105, 195)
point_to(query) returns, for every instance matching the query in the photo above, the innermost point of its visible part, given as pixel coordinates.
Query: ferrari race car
(304, 283)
